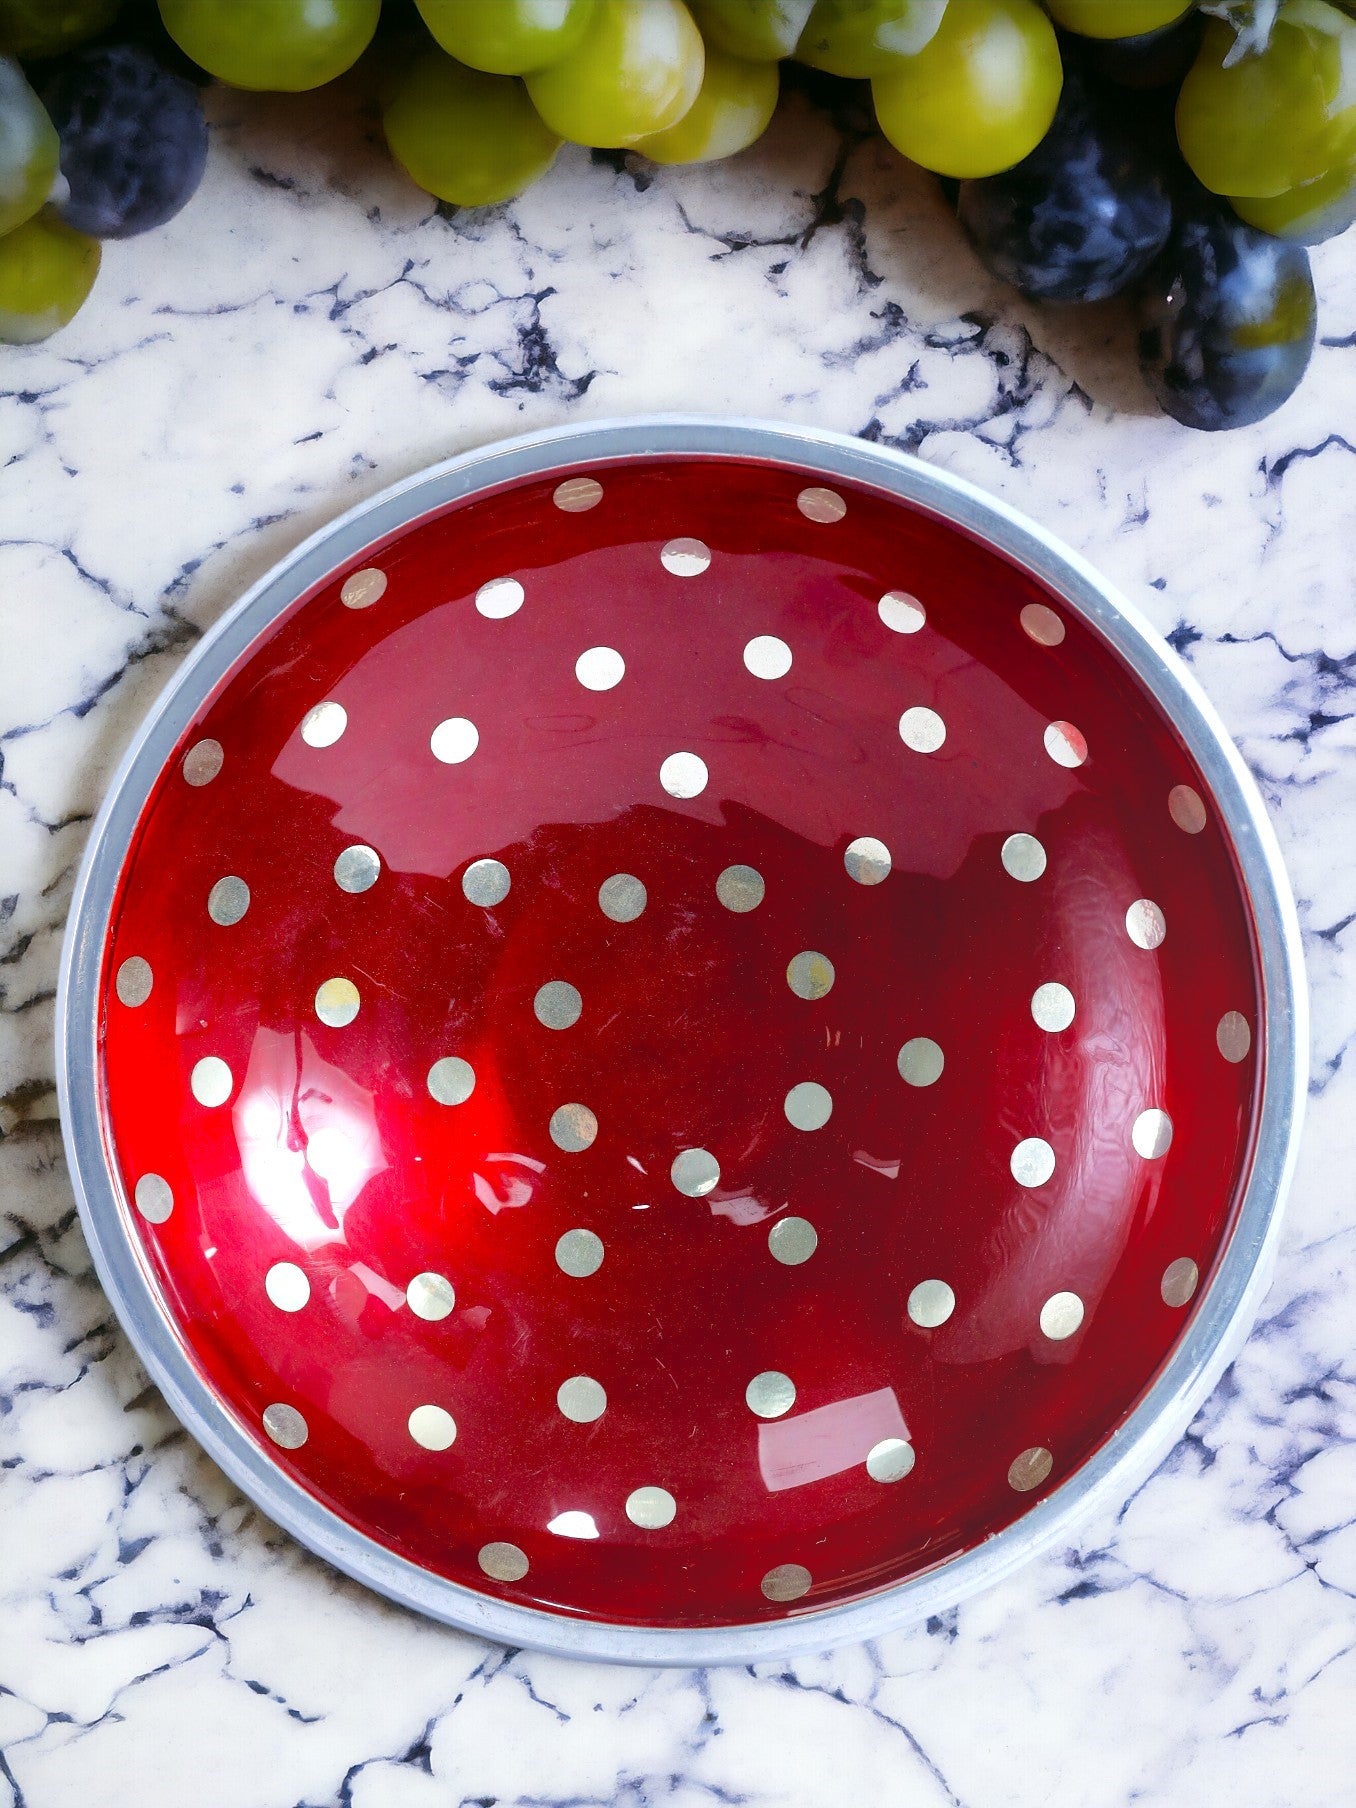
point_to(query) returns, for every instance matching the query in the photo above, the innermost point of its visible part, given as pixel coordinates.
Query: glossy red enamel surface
(332, 1155)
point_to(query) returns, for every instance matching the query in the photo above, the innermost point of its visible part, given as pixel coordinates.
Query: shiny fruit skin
(133, 140)
(636, 72)
(29, 149)
(980, 96)
(46, 271)
(1080, 218)
(732, 110)
(760, 31)
(1116, 18)
(1278, 119)
(1307, 215)
(48, 28)
(863, 38)
(1227, 320)
(506, 37)
(273, 45)
(467, 137)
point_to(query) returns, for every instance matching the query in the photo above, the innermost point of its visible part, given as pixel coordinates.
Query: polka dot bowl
(680, 1041)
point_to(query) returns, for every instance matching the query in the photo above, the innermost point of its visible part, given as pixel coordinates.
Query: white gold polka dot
(1032, 1162)
(921, 1061)
(1030, 1469)
(153, 1198)
(228, 901)
(363, 588)
(577, 495)
(808, 1106)
(622, 898)
(1151, 1134)
(1052, 1006)
(486, 882)
(770, 1394)
(337, 1003)
(454, 740)
(867, 860)
(922, 729)
(683, 775)
(323, 725)
(505, 1562)
(451, 1080)
(582, 1399)
(817, 504)
(1180, 1281)
(901, 613)
(793, 1241)
(1042, 625)
(357, 869)
(695, 1172)
(432, 1427)
(767, 657)
(286, 1427)
(651, 1508)
(686, 558)
(788, 1582)
(1145, 924)
(203, 762)
(579, 1253)
(573, 1128)
(1187, 809)
(558, 1004)
(430, 1296)
(211, 1081)
(931, 1303)
(810, 975)
(1065, 744)
(1233, 1036)
(1061, 1315)
(600, 668)
(499, 599)
(890, 1460)
(287, 1286)
(741, 889)
(134, 981)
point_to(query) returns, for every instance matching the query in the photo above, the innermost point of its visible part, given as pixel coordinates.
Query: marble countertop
(311, 329)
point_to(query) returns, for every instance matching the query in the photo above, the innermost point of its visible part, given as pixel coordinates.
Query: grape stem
(1251, 20)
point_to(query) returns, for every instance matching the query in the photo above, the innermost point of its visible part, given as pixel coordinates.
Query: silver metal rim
(1221, 1317)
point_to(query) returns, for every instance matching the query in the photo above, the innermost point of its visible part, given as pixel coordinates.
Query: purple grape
(133, 139)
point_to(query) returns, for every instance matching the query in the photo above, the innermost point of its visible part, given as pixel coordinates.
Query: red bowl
(681, 1040)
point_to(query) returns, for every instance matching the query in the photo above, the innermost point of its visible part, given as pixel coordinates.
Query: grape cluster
(1180, 152)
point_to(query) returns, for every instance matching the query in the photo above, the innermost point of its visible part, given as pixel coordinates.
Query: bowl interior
(678, 1041)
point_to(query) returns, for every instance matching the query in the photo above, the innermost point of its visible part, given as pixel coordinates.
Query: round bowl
(681, 1040)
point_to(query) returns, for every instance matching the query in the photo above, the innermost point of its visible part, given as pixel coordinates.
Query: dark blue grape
(1154, 59)
(1227, 319)
(133, 139)
(1079, 218)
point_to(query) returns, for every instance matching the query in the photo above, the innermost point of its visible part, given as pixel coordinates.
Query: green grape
(1116, 18)
(46, 271)
(1280, 118)
(1306, 215)
(736, 101)
(466, 137)
(636, 72)
(282, 45)
(29, 149)
(980, 95)
(45, 28)
(860, 38)
(507, 37)
(761, 31)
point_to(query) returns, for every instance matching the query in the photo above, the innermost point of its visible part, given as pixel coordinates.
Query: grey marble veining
(311, 329)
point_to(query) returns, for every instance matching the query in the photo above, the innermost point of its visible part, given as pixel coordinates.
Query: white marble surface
(311, 329)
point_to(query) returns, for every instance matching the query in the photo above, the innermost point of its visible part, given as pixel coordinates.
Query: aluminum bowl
(681, 1041)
